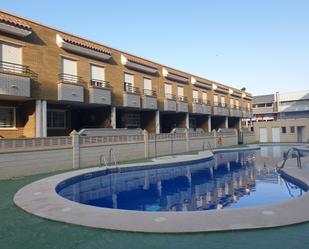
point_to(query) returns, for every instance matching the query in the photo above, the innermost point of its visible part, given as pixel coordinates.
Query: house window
(248, 106)
(237, 103)
(97, 74)
(223, 101)
(283, 129)
(180, 93)
(11, 58)
(69, 70)
(215, 100)
(168, 91)
(56, 119)
(129, 82)
(292, 129)
(195, 96)
(147, 87)
(204, 97)
(7, 117)
(232, 103)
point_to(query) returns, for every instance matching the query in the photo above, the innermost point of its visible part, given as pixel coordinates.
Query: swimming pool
(228, 180)
(203, 193)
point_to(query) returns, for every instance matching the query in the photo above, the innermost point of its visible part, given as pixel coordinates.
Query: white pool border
(40, 198)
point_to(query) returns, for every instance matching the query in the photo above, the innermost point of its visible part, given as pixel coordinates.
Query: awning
(174, 75)
(83, 47)
(139, 64)
(14, 25)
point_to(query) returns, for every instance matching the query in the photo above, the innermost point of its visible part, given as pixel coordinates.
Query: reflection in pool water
(229, 180)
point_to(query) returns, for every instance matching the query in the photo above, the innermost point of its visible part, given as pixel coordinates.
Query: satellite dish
(243, 89)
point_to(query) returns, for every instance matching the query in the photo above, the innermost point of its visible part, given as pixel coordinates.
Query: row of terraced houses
(53, 82)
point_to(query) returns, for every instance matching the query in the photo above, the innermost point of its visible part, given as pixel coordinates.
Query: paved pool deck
(40, 198)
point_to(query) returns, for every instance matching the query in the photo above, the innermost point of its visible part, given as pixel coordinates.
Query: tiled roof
(175, 72)
(12, 20)
(84, 43)
(201, 80)
(141, 61)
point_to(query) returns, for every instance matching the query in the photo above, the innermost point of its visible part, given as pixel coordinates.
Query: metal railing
(148, 92)
(182, 98)
(219, 104)
(170, 96)
(69, 78)
(127, 87)
(291, 152)
(100, 83)
(14, 68)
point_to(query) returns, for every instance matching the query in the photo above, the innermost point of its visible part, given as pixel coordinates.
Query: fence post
(146, 144)
(75, 144)
(215, 137)
(187, 140)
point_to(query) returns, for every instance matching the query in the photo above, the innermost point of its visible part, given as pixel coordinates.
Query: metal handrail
(220, 104)
(100, 83)
(14, 68)
(182, 98)
(286, 157)
(170, 96)
(64, 77)
(127, 87)
(111, 154)
(148, 92)
(103, 160)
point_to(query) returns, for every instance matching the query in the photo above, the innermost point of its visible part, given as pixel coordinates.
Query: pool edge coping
(39, 198)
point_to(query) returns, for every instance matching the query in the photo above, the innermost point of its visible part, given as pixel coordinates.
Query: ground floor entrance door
(301, 134)
(275, 134)
(263, 135)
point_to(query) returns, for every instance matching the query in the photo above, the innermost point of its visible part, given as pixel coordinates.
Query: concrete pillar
(75, 144)
(38, 118)
(113, 117)
(158, 128)
(239, 124)
(187, 140)
(226, 122)
(146, 144)
(187, 121)
(44, 118)
(209, 123)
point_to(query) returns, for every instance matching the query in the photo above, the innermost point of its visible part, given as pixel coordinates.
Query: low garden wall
(29, 156)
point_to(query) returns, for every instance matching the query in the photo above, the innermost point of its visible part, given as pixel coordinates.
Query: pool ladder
(208, 146)
(111, 156)
(286, 157)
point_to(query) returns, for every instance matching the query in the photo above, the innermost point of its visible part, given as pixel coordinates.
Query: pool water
(229, 180)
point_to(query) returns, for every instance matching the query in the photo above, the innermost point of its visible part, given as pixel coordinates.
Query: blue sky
(261, 44)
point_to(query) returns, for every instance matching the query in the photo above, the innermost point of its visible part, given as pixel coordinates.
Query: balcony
(14, 79)
(263, 110)
(220, 109)
(131, 96)
(182, 104)
(235, 111)
(170, 102)
(70, 88)
(247, 113)
(150, 99)
(100, 92)
(201, 107)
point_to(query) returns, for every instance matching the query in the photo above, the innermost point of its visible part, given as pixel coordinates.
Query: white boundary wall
(22, 157)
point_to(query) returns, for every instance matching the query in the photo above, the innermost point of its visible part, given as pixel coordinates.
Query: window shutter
(97, 73)
(147, 84)
(11, 53)
(69, 66)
